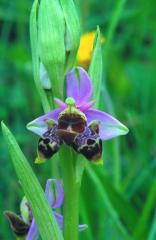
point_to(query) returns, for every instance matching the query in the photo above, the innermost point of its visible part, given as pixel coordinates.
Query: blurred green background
(119, 201)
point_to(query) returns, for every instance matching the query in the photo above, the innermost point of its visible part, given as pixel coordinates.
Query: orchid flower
(25, 224)
(55, 195)
(75, 122)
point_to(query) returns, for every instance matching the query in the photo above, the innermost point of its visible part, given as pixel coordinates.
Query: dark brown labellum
(49, 144)
(89, 144)
(66, 136)
(69, 125)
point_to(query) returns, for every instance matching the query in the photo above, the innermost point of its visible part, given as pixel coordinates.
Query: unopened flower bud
(55, 40)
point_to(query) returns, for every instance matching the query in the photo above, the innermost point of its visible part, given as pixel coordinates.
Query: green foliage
(45, 219)
(51, 46)
(96, 63)
(72, 38)
(35, 55)
(124, 188)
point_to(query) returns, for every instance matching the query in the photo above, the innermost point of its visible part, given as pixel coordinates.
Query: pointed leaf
(108, 204)
(35, 55)
(42, 211)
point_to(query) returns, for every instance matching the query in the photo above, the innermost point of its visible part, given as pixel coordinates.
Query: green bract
(95, 68)
(72, 39)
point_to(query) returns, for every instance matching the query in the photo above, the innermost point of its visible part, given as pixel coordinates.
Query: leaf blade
(35, 194)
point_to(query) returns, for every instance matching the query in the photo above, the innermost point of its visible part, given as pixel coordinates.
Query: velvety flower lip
(79, 87)
(55, 195)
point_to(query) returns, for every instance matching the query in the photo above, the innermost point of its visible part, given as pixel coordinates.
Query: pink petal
(109, 126)
(86, 106)
(79, 85)
(60, 103)
(40, 124)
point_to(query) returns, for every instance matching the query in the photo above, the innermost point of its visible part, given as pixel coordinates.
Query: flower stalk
(71, 189)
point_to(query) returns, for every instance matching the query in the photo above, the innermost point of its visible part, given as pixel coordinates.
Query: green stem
(71, 190)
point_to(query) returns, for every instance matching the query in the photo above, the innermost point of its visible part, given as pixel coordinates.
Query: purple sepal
(109, 127)
(79, 85)
(40, 124)
(33, 233)
(59, 219)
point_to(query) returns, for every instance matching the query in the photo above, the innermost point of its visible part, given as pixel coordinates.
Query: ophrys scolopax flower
(75, 122)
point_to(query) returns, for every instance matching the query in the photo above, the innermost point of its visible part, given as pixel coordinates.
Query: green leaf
(41, 209)
(152, 232)
(72, 31)
(108, 203)
(149, 205)
(35, 56)
(51, 32)
(120, 204)
(95, 68)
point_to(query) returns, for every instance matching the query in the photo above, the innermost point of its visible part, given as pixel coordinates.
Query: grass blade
(107, 202)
